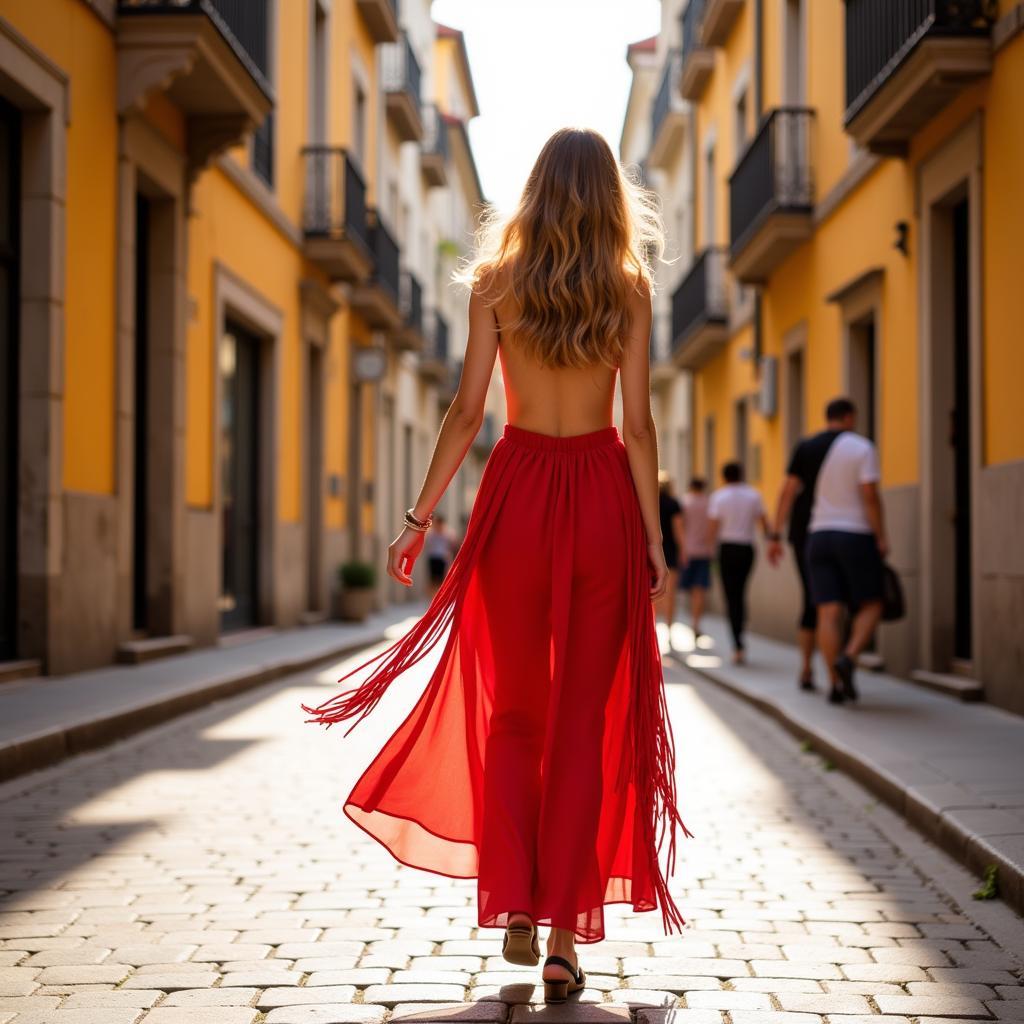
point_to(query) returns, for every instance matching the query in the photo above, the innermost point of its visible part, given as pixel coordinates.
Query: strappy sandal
(559, 991)
(520, 944)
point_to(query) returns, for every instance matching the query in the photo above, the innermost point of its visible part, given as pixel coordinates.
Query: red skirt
(540, 758)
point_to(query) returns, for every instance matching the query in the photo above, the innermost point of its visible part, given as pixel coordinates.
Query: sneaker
(844, 669)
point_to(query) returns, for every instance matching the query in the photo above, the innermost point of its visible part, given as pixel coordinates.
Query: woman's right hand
(659, 570)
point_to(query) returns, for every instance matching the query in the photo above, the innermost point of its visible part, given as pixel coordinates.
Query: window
(710, 234)
(709, 451)
(740, 437)
(795, 418)
(794, 62)
(741, 122)
(318, 66)
(359, 123)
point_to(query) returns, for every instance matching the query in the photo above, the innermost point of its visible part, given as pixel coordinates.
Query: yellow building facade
(856, 194)
(204, 285)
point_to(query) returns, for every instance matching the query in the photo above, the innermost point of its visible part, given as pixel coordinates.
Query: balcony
(337, 237)
(400, 76)
(771, 195)
(410, 305)
(376, 299)
(209, 57)
(434, 355)
(435, 150)
(380, 18)
(698, 60)
(904, 63)
(700, 311)
(719, 17)
(668, 115)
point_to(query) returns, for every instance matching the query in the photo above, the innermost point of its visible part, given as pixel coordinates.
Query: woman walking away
(441, 546)
(546, 712)
(671, 516)
(735, 510)
(698, 547)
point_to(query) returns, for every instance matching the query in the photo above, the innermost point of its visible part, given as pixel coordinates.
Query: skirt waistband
(563, 443)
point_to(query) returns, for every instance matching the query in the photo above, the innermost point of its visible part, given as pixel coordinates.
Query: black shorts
(808, 611)
(437, 567)
(844, 567)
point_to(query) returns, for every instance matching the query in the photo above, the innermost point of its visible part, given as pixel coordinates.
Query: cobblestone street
(204, 872)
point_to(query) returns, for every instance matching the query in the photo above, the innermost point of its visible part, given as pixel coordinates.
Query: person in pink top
(697, 550)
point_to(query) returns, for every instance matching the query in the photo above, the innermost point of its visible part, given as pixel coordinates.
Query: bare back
(552, 400)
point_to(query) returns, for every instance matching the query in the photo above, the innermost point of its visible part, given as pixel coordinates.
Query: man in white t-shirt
(735, 510)
(846, 544)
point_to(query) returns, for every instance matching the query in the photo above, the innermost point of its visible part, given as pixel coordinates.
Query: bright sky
(539, 65)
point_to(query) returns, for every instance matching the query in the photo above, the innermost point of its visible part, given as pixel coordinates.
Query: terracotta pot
(353, 604)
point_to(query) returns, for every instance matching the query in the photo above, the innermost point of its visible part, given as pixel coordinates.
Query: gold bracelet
(421, 525)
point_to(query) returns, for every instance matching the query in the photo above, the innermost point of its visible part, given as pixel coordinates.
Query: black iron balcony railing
(435, 133)
(880, 36)
(700, 298)
(666, 97)
(263, 149)
(244, 24)
(335, 196)
(387, 271)
(692, 17)
(400, 70)
(410, 301)
(773, 174)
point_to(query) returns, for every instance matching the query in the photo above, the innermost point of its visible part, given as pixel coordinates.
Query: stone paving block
(789, 969)
(198, 937)
(946, 988)
(898, 974)
(390, 994)
(239, 996)
(231, 951)
(478, 1012)
(227, 966)
(178, 967)
(776, 1017)
(100, 974)
(325, 963)
(107, 1015)
(76, 956)
(830, 1003)
(916, 956)
(642, 997)
(156, 953)
(202, 1015)
(173, 982)
(284, 996)
(671, 982)
(18, 981)
(774, 985)
(331, 1013)
(261, 979)
(980, 975)
(116, 998)
(274, 936)
(711, 967)
(584, 1013)
(728, 1001)
(678, 1016)
(298, 950)
(1010, 991)
(360, 976)
(935, 1006)
(22, 1004)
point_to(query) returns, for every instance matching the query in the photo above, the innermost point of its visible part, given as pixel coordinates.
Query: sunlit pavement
(204, 872)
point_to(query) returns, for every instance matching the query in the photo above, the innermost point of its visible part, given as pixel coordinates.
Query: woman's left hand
(402, 554)
(659, 570)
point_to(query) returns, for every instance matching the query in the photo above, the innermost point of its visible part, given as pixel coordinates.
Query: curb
(48, 748)
(970, 849)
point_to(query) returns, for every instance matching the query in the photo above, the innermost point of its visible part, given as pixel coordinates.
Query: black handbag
(894, 606)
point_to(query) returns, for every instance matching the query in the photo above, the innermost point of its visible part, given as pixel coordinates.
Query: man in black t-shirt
(795, 501)
(670, 513)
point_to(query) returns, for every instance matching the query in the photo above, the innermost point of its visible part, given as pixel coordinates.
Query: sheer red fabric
(540, 758)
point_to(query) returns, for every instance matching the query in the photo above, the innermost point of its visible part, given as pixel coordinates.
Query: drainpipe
(758, 111)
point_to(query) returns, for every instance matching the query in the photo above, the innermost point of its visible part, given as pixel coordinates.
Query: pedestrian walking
(735, 510)
(671, 515)
(793, 507)
(441, 545)
(698, 548)
(545, 715)
(846, 546)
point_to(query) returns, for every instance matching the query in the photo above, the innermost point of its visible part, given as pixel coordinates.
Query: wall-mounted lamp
(902, 234)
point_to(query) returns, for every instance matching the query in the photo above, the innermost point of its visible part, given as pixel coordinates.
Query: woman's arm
(458, 428)
(639, 434)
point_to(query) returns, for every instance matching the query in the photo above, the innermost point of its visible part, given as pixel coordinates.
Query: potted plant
(354, 597)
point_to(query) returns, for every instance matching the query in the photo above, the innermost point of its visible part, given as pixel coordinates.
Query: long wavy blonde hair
(582, 238)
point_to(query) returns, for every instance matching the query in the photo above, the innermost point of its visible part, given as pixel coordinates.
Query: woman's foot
(739, 657)
(561, 942)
